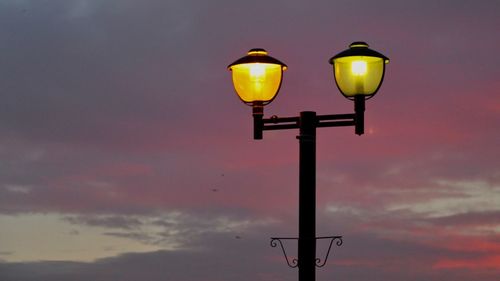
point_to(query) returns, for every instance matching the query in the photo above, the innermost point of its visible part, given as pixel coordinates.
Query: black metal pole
(307, 196)
(359, 119)
(258, 123)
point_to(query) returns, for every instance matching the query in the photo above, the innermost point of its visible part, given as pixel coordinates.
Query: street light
(359, 72)
(257, 78)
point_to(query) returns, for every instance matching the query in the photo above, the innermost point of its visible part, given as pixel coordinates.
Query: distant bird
(237, 237)
(215, 189)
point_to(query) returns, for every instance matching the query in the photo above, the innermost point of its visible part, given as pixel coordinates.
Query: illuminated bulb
(257, 71)
(358, 67)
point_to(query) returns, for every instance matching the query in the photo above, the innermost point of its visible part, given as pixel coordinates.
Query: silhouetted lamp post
(257, 78)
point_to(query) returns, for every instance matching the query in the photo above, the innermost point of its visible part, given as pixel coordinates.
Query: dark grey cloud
(142, 237)
(120, 222)
(174, 229)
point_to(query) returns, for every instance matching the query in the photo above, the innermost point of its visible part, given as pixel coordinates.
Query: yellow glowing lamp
(359, 70)
(257, 77)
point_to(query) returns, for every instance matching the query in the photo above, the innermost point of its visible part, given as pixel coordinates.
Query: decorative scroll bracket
(293, 263)
(332, 238)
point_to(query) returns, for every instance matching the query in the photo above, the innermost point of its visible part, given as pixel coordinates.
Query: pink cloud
(470, 244)
(488, 262)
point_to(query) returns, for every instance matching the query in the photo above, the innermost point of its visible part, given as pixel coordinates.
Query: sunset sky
(126, 155)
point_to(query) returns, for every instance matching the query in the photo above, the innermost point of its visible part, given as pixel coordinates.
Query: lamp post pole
(307, 196)
(307, 123)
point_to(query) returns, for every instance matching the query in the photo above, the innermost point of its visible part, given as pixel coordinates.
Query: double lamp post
(257, 78)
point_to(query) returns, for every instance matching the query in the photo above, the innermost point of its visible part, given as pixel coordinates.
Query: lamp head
(359, 70)
(257, 77)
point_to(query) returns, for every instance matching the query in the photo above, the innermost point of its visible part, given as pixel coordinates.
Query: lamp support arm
(321, 121)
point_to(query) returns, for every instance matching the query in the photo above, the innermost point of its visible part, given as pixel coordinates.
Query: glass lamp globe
(359, 70)
(257, 77)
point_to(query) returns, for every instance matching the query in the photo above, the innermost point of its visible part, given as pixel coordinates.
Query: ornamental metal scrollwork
(295, 262)
(338, 243)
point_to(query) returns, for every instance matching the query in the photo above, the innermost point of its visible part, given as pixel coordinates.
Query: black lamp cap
(257, 55)
(359, 48)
